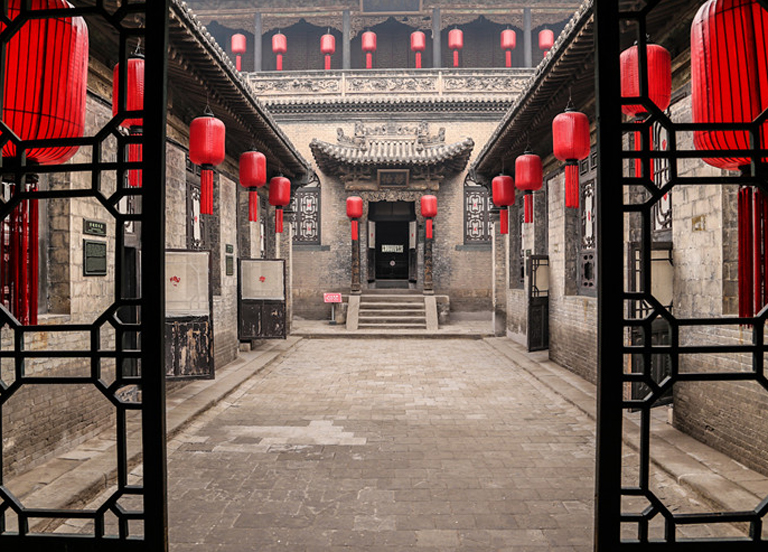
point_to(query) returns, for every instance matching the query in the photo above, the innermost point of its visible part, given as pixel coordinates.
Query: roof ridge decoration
(391, 145)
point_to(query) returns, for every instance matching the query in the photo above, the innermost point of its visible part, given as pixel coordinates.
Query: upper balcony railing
(379, 84)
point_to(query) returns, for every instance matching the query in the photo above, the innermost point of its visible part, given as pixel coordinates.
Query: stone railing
(434, 84)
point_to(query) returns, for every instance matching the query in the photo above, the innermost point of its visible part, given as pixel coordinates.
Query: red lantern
(503, 188)
(429, 210)
(354, 212)
(455, 43)
(279, 47)
(328, 48)
(418, 45)
(238, 48)
(729, 84)
(279, 197)
(369, 46)
(134, 102)
(508, 43)
(44, 95)
(546, 40)
(570, 142)
(207, 136)
(253, 175)
(529, 176)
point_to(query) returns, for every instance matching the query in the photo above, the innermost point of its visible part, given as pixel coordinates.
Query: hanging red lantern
(207, 136)
(546, 40)
(354, 212)
(429, 210)
(134, 102)
(503, 188)
(253, 175)
(455, 43)
(44, 97)
(508, 43)
(328, 48)
(239, 47)
(418, 45)
(529, 177)
(729, 84)
(369, 46)
(279, 47)
(570, 143)
(279, 197)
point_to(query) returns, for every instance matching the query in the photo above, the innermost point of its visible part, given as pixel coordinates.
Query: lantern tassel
(429, 228)
(508, 57)
(572, 185)
(327, 62)
(418, 60)
(279, 62)
(368, 60)
(253, 206)
(504, 222)
(528, 208)
(279, 220)
(238, 63)
(206, 191)
(355, 230)
(455, 58)
(745, 253)
(135, 155)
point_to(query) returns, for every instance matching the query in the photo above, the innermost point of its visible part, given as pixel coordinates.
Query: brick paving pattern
(347, 445)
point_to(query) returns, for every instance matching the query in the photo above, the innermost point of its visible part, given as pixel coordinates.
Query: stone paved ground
(430, 445)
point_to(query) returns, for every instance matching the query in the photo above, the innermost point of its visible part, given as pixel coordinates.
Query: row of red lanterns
(368, 45)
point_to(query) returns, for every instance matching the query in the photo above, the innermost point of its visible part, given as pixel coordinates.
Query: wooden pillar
(257, 32)
(436, 24)
(346, 55)
(527, 38)
(355, 287)
(428, 285)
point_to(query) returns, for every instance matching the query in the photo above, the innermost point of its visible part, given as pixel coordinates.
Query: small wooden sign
(94, 227)
(94, 258)
(332, 297)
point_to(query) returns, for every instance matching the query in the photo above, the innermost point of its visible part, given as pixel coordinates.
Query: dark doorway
(391, 247)
(392, 251)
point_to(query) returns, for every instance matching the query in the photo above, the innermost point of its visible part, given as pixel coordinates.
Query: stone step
(393, 312)
(397, 326)
(387, 298)
(376, 305)
(393, 319)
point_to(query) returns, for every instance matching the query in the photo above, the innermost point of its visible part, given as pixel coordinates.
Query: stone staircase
(389, 310)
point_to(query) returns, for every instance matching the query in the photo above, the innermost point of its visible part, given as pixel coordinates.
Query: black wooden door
(392, 250)
(538, 303)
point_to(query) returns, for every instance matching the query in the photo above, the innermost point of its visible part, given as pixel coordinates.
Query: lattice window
(588, 212)
(477, 223)
(306, 221)
(662, 209)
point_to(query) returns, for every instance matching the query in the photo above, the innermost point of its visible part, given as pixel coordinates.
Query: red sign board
(332, 297)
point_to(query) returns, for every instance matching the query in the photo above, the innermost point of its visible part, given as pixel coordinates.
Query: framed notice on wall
(186, 283)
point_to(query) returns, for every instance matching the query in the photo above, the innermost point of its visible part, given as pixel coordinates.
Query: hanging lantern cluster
(729, 72)
(503, 189)
(279, 197)
(134, 87)
(207, 136)
(418, 45)
(44, 97)
(354, 212)
(529, 176)
(328, 48)
(546, 41)
(570, 140)
(368, 41)
(279, 48)
(455, 43)
(508, 43)
(238, 43)
(428, 211)
(253, 175)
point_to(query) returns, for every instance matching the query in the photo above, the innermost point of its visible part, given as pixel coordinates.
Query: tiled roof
(392, 152)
